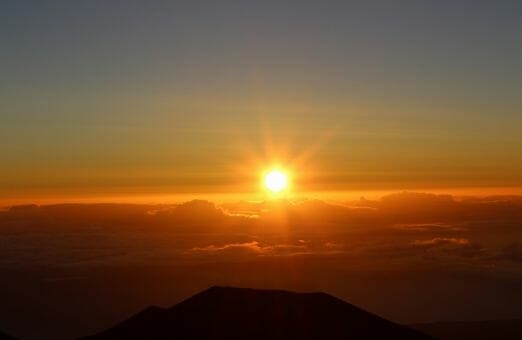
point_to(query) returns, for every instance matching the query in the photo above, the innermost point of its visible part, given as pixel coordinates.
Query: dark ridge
(477, 330)
(243, 313)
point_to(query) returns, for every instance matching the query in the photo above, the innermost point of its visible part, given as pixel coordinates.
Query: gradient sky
(144, 97)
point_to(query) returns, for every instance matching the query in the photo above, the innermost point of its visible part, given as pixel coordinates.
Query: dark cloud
(512, 252)
(441, 241)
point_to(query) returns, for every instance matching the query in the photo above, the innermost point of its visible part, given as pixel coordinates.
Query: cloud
(408, 211)
(398, 226)
(512, 252)
(252, 248)
(427, 227)
(459, 247)
(405, 248)
(438, 241)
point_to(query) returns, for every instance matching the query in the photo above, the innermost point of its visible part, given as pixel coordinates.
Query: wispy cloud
(437, 241)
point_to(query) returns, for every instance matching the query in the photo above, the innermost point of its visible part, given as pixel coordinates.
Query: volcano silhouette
(242, 313)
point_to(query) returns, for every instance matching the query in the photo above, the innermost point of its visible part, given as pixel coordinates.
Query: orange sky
(201, 99)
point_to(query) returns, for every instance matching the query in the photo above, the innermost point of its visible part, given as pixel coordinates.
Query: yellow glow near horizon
(276, 180)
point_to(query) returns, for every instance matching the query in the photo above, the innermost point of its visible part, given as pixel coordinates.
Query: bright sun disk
(276, 181)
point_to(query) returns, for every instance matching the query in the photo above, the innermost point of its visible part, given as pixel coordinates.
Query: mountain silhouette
(242, 313)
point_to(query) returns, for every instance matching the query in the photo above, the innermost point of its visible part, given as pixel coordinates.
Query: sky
(169, 97)
(134, 136)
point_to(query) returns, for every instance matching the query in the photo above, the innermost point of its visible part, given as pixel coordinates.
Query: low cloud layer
(409, 249)
(415, 226)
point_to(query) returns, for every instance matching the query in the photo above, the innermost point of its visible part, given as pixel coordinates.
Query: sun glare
(276, 181)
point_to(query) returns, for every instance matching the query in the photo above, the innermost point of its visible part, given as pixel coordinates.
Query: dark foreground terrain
(240, 313)
(481, 330)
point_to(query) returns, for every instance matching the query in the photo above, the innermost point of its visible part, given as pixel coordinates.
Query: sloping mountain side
(241, 313)
(494, 329)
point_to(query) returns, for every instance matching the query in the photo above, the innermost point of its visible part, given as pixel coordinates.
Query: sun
(275, 180)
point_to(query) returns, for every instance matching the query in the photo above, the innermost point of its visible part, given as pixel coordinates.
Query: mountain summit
(241, 313)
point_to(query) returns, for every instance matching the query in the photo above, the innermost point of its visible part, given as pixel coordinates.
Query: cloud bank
(415, 226)
(432, 255)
